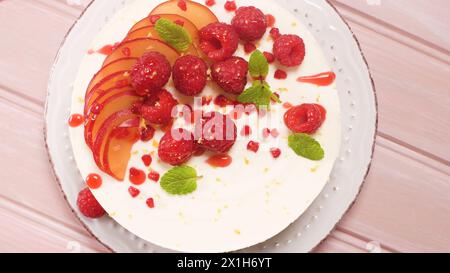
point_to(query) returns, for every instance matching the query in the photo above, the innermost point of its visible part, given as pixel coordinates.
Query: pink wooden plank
(404, 204)
(426, 21)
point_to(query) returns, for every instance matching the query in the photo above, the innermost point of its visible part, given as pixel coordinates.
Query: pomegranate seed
(253, 146)
(94, 181)
(147, 159)
(275, 152)
(137, 176)
(153, 175)
(246, 131)
(287, 105)
(126, 51)
(274, 133)
(133, 191)
(147, 133)
(150, 203)
(270, 20)
(182, 5)
(280, 74)
(230, 6)
(266, 132)
(210, 3)
(154, 18)
(179, 22)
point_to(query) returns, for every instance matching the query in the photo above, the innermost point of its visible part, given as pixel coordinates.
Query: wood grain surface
(404, 205)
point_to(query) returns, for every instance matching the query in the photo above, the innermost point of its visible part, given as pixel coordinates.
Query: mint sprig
(306, 146)
(260, 92)
(258, 65)
(173, 34)
(180, 180)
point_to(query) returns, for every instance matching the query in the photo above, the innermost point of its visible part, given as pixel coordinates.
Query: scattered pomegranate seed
(150, 203)
(249, 48)
(133, 191)
(137, 176)
(153, 175)
(147, 159)
(270, 20)
(94, 181)
(253, 146)
(266, 132)
(179, 22)
(246, 131)
(274, 133)
(280, 74)
(275, 152)
(210, 3)
(154, 18)
(126, 51)
(182, 5)
(230, 6)
(269, 56)
(275, 33)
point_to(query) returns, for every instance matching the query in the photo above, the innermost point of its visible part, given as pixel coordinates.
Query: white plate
(358, 120)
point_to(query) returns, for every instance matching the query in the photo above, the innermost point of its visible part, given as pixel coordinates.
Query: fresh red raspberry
(289, 50)
(305, 118)
(249, 23)
(190, 75)
(150, 73)
(216, 132)
(231, 75)
(158, 109)
(218, 41)
(269, 57)
(253, 146)
(176, 147)
(88, 205)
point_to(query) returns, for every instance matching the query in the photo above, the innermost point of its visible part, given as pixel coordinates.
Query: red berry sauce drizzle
(76, 120)
(220, 160)
(322, 79)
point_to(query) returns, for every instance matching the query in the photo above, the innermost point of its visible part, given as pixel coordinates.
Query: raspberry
(253, 146)
(190, 75)
(249, 23)
(176, 147)
(218, 41)
(269, 57)
(150, 73)
(216, 132)
(88, 205)
(158, 109)
(305, 118)
(289, 50)
(231, 75)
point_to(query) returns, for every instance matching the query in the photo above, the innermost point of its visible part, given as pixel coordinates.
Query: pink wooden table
(404, 205)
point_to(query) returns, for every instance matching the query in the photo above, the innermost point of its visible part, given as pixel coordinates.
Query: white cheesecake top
(250, 201)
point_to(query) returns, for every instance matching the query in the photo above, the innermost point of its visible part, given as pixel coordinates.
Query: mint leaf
(258, 65)
(259, 94)
(306, 146)
(173, 34)
(180, 180)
